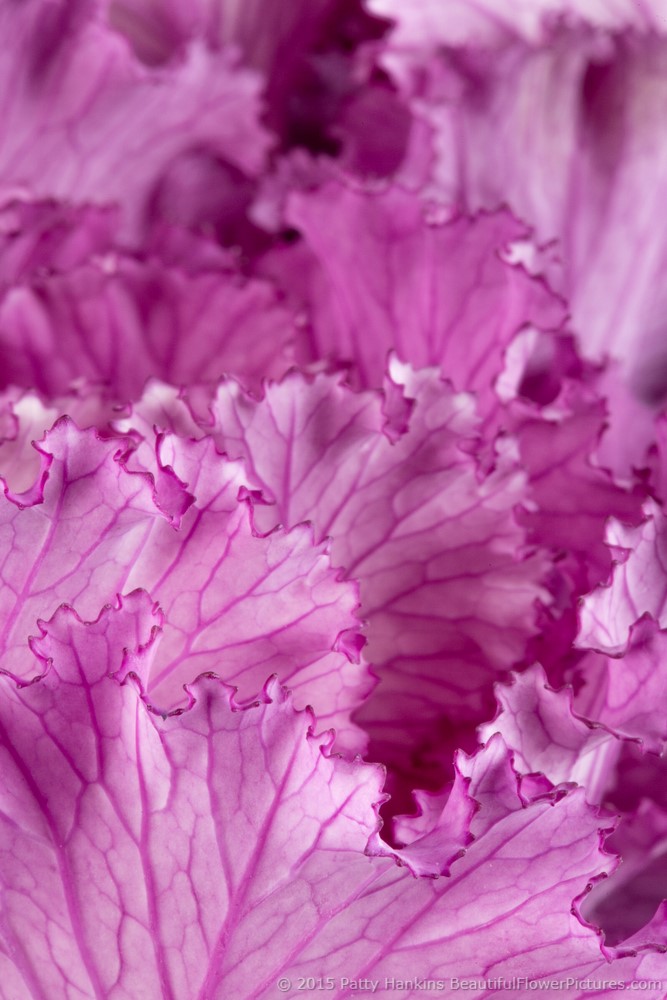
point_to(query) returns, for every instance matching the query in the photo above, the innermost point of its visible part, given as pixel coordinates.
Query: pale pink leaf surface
(446, 587)
(237, 602)
(630, 905)
(162, 864)
(25, 418)
(267, 36)
(149, 856)
(436, 292)
(553, 412)
(29, 416)
(484, 790)
(659, 463)
(504, 912)
(70, 536)
(570, 97)
(146, 423)
(626, 905)
(628, 693)
(162, 407)
(83, 119)
(537, 365)
(488, 22)
(306, 51)
(49, 234)
(438, 834)
(625, 454)
(572, 499)
(493, 786)
(247, 605)
(175, 326)
(496, 784)
(157, 30)
(637, 585)
(546, 736)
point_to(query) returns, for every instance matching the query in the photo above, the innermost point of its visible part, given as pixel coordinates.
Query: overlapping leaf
(448, 592)
(385, 276)
(636, 586)
(83, 119)
(569, 97)
(212, 852)
(243, 604)
(87, 323)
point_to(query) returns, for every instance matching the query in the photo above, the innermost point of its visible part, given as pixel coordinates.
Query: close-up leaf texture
(333, 530)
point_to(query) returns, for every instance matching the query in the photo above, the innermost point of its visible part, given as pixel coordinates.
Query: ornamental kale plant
(333, 539)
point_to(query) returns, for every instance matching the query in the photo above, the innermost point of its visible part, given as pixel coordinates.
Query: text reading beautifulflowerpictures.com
(310, 984)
